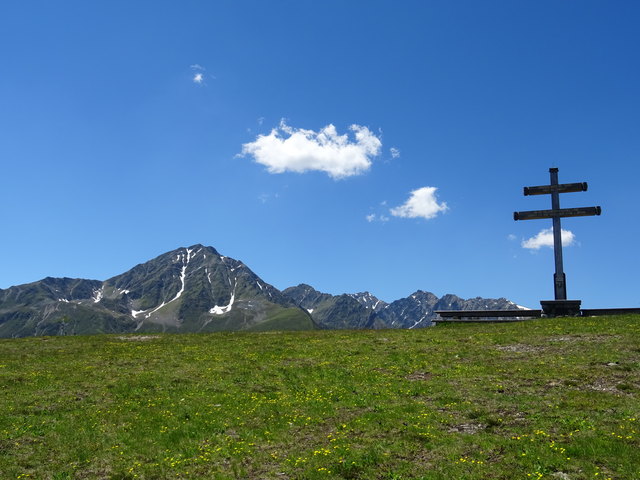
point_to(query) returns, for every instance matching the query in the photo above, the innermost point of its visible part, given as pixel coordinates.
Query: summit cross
(559, 306)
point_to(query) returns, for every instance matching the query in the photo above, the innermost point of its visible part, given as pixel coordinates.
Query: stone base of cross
(561, 308)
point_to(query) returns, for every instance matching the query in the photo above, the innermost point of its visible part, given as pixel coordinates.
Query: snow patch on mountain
(220, 310)
(418, 322)
(98, 294)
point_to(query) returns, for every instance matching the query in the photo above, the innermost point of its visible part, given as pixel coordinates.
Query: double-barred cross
(555, 189)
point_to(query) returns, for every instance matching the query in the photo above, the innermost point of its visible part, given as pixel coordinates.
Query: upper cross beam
(562, 188)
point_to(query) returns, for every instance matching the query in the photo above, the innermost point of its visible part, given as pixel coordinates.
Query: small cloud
(265, 197)
(198, 74)
(545, 239)
(289, 149)
(395, 153)
(376, 218)
(260, 120)
(422, 203)
(511, 237)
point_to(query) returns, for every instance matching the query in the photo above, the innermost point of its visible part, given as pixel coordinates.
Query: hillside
(552, 398)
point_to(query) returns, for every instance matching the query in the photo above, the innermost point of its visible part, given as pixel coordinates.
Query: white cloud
(395, 153)
(198, 74)
(511, 237)
(545, 239)
(376, 218)
(266, 197)
(288, 149)
(422, 203)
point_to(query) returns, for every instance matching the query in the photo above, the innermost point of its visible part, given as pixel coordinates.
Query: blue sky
(377, 145)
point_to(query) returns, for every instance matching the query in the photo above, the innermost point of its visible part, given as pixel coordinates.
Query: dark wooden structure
(485, 316)
(501, 316)
(597, 312)
(560, 306)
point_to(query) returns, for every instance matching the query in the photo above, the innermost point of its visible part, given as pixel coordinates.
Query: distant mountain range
(196, 289)
(363, 310)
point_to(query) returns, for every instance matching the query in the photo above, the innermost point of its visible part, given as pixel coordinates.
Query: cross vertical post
(559, 278)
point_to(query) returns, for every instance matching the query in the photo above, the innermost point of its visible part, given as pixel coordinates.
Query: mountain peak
(197, 248)
(368, 301)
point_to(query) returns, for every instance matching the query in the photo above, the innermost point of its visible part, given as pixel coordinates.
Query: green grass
(554, 398)
(287, 319)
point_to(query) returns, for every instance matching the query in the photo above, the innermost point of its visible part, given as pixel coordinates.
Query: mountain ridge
(196, 289)
(355, 310)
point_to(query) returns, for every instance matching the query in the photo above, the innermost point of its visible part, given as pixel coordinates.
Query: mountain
(418, 310)
(196, 289)
(56, 306)
(363, 310)
(329, 311)
(186, 290)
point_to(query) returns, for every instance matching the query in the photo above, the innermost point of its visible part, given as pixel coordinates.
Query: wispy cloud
(289, 149)
(395, 153)
(422, 203)
(198, 74)
(376, 218)
(265, 197)
(545, 239)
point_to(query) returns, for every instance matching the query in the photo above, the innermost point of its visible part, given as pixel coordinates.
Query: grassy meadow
(551, 398)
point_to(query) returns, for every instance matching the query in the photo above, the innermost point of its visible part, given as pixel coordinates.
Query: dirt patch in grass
(602, 386)
(138, 338)
(565, 338)
(469, 428)
(512, 417)
(519, 348)
(298, 362)
(580, 338)
(419, 376)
